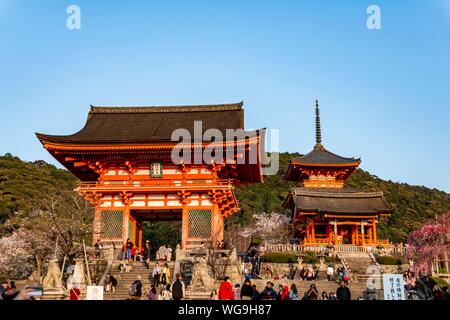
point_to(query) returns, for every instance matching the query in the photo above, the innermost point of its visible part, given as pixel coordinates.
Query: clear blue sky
(384, 94)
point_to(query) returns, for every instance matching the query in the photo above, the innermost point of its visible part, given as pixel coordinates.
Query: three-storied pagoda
(323, 211)
(123, 159)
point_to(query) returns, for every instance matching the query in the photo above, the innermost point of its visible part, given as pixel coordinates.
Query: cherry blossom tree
(16, 261)
(430, 242)
(272, 227)
(55, 226)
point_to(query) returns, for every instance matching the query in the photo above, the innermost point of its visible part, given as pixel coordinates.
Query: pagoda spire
(318, 145)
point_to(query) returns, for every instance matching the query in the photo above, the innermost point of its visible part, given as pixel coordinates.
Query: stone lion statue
(201, 276)
(53, 277)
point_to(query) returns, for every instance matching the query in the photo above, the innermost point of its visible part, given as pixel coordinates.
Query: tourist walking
(294, 292)
(247, 290)
(165, 275)
(279, 292)
(147, 253)
(74, 293)
(269, 292)
(97, 247)
(343, 292)
(226, 289)
(156, 274)
(128, 246)
(285, 294)
(303, 273)
(178, 288)
(255, 292)
(330, 273)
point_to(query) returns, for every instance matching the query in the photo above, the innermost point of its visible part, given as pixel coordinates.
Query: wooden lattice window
(111, 224)
(199, 223)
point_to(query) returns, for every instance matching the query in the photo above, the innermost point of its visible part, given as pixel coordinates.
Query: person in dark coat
(247, 290)
(343, 292)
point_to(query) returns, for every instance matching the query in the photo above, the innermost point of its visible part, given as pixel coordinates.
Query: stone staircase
(125, 279)
(362, 266)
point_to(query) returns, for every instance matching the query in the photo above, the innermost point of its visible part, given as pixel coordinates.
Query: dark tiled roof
(339, 201)
(320, 155)
(150, 124)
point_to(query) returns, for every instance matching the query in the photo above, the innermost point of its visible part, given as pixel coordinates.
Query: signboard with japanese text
(394, 288)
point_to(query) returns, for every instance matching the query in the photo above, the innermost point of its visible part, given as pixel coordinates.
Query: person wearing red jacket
(226, 290)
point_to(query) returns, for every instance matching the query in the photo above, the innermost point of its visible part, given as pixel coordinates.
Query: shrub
(279, 257)
(440, 282)
(389, 260)
(310, 257)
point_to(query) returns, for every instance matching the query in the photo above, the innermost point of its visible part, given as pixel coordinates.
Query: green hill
(24, 183)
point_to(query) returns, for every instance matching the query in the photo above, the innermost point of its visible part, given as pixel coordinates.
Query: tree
(16, 261)
(430, 242)
(272, 227)
(59, 221)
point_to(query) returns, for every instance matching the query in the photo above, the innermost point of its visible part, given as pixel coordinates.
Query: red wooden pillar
(140, 235)
(125, 224)
(184, 226)
(374, 230)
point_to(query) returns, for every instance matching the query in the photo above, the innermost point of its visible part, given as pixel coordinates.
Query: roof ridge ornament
(318, 145)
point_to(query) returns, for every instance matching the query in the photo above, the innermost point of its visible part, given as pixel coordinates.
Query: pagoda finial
(318, 130)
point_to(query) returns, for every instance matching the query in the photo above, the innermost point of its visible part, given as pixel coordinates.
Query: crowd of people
(132, 253)
(283, 292)
(423, 288)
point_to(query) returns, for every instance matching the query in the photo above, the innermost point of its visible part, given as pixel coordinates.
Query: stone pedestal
(54, 294)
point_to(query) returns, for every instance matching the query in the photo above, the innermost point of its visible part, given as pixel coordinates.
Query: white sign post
(393, 287)
(94, 293)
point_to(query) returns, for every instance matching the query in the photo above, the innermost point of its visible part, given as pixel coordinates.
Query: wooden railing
(148, 184)
(343, 248)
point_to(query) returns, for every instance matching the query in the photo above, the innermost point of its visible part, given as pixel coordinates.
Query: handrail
(112, 184)
(345, 248)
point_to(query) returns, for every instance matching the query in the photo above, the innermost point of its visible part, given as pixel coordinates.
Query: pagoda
(123, 157)
(323, 211)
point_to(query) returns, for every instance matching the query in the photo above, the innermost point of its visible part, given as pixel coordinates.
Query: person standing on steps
(343, 292)
(135, 290)
(226, 289)
(178, 288)
(165, 275)
(156, 274)
(247, 290)
(147, 254)
(128, 246)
